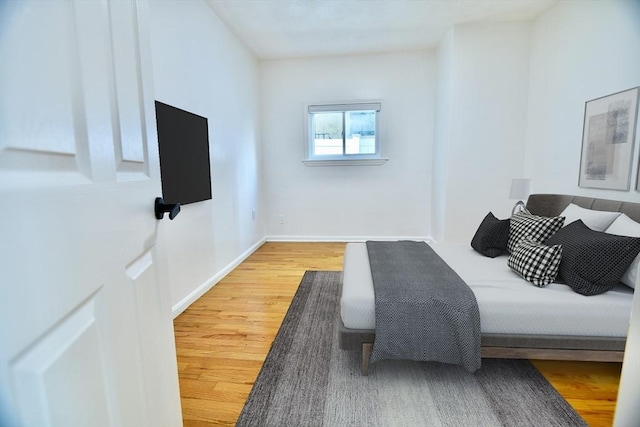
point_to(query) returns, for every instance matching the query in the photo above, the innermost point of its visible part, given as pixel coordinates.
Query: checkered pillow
(535, 262)
(538, 228)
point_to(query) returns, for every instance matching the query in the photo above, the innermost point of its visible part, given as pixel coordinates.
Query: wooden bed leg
(367, 348)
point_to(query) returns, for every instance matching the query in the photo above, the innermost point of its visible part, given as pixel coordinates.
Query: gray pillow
(492, 236)
(593, 262)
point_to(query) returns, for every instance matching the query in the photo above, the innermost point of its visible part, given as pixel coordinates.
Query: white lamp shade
(520, 189)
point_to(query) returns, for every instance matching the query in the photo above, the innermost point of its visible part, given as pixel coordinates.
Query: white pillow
(625, 226)
(595, 220)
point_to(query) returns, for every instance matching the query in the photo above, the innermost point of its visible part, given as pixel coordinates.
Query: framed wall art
(608, 138)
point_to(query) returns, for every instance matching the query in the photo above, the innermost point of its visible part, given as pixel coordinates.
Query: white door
(86, 335)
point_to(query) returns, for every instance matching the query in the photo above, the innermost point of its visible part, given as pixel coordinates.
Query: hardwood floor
(223, 338)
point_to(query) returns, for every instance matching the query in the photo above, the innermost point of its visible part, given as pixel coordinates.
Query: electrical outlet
(281, 219)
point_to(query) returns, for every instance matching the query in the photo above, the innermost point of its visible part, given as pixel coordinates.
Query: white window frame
(343, 159)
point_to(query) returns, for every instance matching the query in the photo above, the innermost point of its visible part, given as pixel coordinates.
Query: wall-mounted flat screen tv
(183, 141)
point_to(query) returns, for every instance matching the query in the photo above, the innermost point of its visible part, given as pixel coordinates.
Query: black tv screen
(183, 141)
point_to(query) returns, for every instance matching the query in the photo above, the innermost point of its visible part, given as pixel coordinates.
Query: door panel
(38, 121)
(130, 156)
(86, 332)
(70, 355)
(40, 129)
(149, 301)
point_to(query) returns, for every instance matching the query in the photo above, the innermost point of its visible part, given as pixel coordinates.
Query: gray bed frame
(545, 347)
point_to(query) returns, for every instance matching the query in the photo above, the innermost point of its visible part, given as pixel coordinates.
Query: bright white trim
(202, 289)
(345, 162)
(345, 106)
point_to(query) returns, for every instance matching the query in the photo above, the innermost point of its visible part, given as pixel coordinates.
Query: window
(343, 132)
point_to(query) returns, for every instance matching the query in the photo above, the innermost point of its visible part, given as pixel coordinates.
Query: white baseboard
(202, 289)
(345, 239)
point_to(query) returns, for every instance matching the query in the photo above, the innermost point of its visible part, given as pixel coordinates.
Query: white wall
(580, 51)
(349, 201)
(481, 123)
(200, 66)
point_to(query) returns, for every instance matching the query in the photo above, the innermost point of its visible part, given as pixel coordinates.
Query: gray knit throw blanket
(424, 310)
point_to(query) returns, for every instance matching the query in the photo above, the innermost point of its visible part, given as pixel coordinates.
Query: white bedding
(508, 304)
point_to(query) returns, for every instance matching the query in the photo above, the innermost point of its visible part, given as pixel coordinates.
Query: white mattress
(508, 304)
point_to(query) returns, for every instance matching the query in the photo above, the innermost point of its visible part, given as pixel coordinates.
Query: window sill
(345, 162)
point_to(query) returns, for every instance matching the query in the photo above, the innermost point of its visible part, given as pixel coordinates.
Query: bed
(518, 320)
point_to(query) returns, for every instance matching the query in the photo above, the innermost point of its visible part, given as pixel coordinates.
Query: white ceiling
(301, 28)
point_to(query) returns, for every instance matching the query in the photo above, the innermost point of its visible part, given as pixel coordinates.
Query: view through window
(343, 131)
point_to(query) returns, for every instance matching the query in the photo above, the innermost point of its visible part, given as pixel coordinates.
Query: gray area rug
(307, 380)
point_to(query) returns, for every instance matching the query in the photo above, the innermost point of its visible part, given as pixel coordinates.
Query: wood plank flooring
(223, 338)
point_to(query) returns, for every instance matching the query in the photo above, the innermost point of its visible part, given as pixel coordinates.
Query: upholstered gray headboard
(554, 204)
